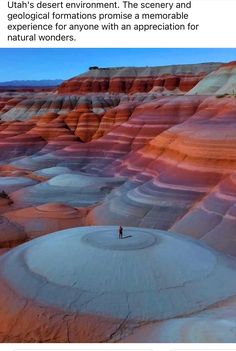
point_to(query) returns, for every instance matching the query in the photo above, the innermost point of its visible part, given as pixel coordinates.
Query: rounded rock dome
(149, 275)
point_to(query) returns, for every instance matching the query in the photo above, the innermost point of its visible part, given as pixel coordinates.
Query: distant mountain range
(32, 83)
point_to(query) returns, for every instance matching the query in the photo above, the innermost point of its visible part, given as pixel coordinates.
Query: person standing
(120, 232)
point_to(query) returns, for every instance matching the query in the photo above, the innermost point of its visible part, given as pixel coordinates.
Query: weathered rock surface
(64, 279)
(220, 82)
(150, 148)
(215, 325)
(138, 79)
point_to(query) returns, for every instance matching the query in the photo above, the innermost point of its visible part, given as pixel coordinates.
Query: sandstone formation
(44, 219)
(215, 325)
(222, 81)
(66, 276)
(138, 79)
(150, 148)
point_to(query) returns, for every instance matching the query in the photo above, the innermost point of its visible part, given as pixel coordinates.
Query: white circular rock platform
(149, 275)
(108, 239)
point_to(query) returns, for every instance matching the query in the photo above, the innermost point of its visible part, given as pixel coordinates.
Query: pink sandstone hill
(150, 148)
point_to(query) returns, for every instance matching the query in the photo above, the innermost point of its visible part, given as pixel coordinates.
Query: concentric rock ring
(108, 239)
(87, 271)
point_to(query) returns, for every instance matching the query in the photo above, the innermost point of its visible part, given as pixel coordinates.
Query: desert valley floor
(152, 149)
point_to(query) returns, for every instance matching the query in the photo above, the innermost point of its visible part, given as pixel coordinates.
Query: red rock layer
(131, 80)
(84, 85)
(144, 160)
(213, 220)
(32, 222)
(231, 64)
(51, 117)
(175, 170)
(172, 152)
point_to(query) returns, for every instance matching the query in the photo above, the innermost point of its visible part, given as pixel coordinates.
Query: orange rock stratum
(152, 149)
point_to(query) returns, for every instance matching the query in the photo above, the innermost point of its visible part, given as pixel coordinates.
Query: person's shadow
(127, 236)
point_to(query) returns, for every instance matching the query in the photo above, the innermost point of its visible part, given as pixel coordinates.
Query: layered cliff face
(164, 155)
(168, 79)
(150, 148)
(220, 82)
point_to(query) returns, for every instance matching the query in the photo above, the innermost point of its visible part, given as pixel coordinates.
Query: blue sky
(24, 64)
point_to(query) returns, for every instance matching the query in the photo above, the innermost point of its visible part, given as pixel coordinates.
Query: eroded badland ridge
(143, 147)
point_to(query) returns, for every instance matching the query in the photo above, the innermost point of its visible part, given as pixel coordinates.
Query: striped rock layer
(131, 80)
(150, 148)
